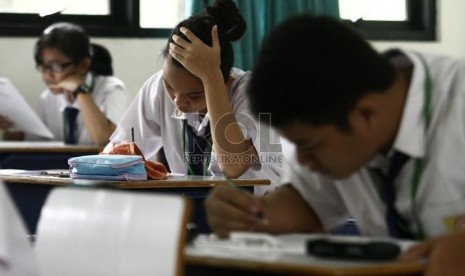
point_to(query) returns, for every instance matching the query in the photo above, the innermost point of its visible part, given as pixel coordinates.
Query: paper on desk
(256, 246)
(15, 108)
(268, 247)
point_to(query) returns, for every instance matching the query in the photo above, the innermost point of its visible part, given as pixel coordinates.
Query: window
(113, 18)
(391, 19)
(47, 7)
(162, 13)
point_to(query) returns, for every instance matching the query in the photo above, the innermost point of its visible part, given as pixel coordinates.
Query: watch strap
(82, 88)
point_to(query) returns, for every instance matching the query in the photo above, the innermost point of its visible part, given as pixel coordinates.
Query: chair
(108, 232)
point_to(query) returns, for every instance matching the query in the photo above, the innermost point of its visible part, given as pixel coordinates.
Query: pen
(234, 186)
(231, 182)
(55, 173)
(132, 134)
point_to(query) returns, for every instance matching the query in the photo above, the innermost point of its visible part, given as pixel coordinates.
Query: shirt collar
(193, 120)
(410, 138)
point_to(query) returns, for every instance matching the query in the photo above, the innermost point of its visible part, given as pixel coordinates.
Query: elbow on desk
(234, 171)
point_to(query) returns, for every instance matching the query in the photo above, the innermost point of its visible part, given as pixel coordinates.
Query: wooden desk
(29, 189)
(174, 181)
(35, 155)
(287, 264)
(40, 155)
(293, 266)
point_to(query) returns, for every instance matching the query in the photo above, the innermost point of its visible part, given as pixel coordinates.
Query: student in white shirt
(16, 257)
(355, 111)
(198, 91)
(78, 74)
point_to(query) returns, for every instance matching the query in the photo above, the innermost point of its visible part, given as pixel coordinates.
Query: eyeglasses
(54, 67)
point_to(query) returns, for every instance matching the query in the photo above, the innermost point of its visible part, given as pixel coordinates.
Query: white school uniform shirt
(440, 200)
(157, 122)
(16, 256)
(109, 94)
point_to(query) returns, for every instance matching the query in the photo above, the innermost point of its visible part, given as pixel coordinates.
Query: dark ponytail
(231, 27)
(101, 60)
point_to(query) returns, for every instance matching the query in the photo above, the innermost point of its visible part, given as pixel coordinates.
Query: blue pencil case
(108, 167)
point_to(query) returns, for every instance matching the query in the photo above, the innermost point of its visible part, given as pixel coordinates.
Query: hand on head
(197, 57)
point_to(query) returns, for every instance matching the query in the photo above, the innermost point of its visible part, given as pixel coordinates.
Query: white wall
(136, 59)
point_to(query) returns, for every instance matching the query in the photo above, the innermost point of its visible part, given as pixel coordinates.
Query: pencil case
(108, 167)
(155, 170)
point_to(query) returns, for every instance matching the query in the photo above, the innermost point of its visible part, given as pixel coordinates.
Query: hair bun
(230, 21)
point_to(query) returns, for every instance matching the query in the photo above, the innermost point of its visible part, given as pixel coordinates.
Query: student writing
(380, 137)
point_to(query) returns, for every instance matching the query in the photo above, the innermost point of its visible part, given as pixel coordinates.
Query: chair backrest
(108, 232)
(16, 256)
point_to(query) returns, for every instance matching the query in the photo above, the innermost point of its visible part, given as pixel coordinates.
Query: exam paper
(267, 247)
(14, 107)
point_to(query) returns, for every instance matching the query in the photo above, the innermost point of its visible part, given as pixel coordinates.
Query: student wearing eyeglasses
(83, 101)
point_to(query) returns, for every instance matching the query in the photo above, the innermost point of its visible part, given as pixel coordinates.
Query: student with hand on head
(198, 95)
(379, 137)
(80, 84)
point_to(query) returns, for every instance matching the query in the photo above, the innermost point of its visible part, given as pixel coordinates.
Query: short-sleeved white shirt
(157, 123)
(15, 249)
(109, 94)
(440, 199)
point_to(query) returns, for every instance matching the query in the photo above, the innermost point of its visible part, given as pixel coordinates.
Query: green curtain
(262, 16)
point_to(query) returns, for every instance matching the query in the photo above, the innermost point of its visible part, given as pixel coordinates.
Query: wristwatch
(82, 88)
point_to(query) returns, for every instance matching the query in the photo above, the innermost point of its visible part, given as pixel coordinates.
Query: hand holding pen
(234, 209)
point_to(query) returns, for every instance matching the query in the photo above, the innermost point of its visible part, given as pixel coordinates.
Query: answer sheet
(14, 107)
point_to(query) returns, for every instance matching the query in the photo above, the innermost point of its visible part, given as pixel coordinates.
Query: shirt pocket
(443, 218)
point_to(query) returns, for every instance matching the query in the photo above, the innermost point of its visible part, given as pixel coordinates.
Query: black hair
(73, 41)
(231, 27)
(320, 68)
(101, 60)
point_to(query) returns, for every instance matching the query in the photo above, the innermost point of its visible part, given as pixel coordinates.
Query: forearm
(229, 142)
(97, 124)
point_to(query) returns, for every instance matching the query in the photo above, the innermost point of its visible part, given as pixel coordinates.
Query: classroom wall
(136, 59)
(450, 32)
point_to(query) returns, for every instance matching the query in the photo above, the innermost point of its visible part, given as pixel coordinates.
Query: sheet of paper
(13, 106)
(266, 247)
